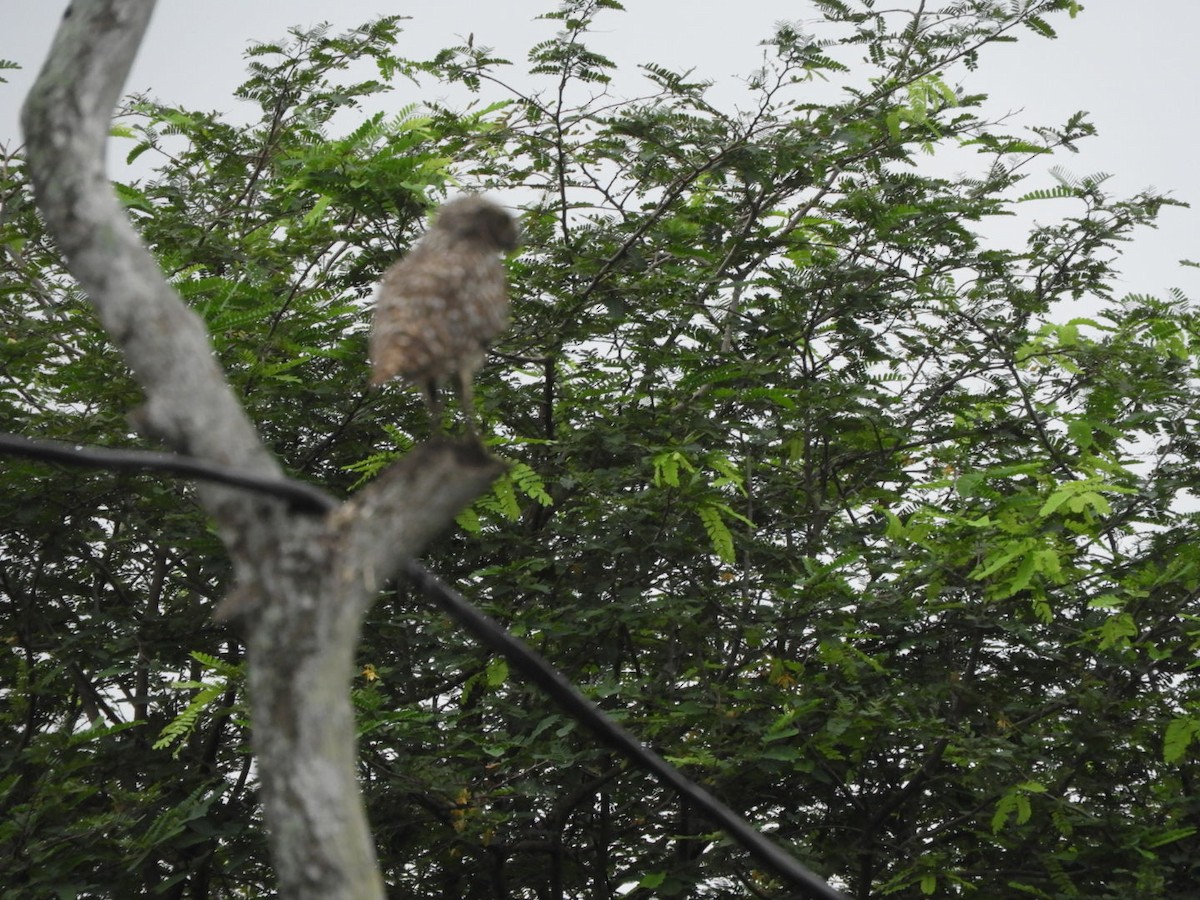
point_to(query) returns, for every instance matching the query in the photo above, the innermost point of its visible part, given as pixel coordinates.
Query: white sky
(1132, 66)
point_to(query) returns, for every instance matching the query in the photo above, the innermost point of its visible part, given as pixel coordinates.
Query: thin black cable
(300, 497)
(523, 658)
(305, 498)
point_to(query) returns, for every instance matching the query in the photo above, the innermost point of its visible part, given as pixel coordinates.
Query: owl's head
(472, 218)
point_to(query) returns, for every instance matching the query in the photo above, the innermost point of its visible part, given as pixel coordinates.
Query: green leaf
(652, 880)
(529, 483)
(1178, 738)
(497, 672)
(718, 532)
(1170, 836)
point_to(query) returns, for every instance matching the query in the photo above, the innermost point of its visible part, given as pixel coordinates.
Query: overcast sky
(1132, 66)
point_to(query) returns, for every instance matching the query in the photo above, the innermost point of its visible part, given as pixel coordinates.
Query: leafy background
(813, 487)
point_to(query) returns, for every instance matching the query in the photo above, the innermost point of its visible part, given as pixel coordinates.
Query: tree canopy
(839, 505)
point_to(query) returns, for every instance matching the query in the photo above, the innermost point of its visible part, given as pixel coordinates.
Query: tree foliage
(879, 530)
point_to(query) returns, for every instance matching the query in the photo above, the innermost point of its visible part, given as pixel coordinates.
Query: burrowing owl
(437, 309)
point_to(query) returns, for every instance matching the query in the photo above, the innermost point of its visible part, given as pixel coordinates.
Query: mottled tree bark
(302, 581)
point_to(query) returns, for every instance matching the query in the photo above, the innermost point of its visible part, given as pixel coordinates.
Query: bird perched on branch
(438, 308)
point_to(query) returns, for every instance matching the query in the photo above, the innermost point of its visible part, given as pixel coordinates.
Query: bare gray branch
(303, 581)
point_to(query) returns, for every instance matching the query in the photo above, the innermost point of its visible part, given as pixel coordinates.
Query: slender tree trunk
(303, 581)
